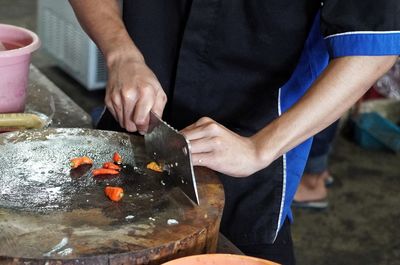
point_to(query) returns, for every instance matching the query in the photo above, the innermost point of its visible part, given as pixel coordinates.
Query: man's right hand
(132, 91)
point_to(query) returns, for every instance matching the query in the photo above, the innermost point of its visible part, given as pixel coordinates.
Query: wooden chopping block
(151, 225)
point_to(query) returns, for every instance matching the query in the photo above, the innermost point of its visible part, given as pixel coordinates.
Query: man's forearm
(101, 19)
(343, 82)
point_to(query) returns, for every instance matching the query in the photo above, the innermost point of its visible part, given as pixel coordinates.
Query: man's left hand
(218, 148)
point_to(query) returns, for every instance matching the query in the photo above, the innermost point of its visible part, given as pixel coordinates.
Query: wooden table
(45, 97)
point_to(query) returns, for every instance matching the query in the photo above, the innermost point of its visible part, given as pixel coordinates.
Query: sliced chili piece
(104, 171)
(111, 165)
(117, 158)
(114, 193)
(84, 160)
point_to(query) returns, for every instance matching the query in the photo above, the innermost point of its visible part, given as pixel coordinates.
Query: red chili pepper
(104, 171)
(117, 158)
(114, 193)
(84, 160)
(111, 165)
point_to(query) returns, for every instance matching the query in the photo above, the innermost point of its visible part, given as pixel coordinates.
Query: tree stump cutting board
(50, 214)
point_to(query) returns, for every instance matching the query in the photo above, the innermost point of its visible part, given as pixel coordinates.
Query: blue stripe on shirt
(364, 44)
(313, 61)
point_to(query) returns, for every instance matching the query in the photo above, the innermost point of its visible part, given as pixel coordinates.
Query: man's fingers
(118, 108)
(199, 123)
(204, 121)
(129, 99)
(143, 107)
(203, 145)
(203, 159)
(204, 130)
(193, 133)
(142, 129)
(160, 102)
(109, 105)
(188, 128)
(113, 103)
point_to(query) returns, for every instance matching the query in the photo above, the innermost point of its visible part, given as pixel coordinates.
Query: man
(250, 82)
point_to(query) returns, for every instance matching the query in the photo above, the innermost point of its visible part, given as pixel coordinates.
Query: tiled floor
(361, 225)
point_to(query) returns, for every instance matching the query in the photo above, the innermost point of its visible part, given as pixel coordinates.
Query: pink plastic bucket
(19, 43)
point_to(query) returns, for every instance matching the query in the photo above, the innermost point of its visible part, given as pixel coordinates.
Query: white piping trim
(362, 32)
(279, 102)
(284, 174)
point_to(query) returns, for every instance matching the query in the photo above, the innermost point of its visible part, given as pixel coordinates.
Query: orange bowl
(219, 259)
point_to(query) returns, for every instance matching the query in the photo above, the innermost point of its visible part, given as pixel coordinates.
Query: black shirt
(244, 63)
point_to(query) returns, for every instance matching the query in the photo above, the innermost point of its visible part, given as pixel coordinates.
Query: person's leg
(281, 251)
(312, 190)
(312, 185)
(323, 140)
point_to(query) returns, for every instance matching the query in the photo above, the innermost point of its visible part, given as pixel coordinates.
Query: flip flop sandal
(316, 205)
(329, 181)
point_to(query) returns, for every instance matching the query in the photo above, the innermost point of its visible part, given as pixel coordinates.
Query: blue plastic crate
(372, 131)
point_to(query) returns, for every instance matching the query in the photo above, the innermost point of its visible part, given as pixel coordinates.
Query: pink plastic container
(19, 43)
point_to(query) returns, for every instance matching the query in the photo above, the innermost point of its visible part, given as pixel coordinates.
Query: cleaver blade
(171, 150)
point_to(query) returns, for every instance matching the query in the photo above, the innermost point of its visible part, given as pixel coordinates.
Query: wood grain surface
(51, 215)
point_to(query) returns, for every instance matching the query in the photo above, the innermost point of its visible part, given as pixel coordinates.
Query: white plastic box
(64, 39)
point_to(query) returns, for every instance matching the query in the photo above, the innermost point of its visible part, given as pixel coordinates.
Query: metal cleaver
(171, 150)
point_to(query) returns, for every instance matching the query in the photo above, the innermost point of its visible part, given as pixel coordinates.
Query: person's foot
(314, 205)
(329, 180)
(312, 192)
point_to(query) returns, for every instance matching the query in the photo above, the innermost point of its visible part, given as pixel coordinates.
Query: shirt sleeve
(367, 27)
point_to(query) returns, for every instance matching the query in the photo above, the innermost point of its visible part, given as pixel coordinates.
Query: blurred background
(360, 225)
